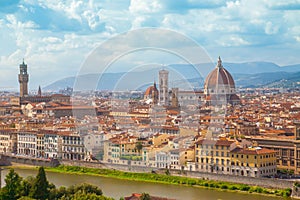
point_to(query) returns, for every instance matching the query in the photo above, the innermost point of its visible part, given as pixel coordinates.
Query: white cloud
(15, 24)
(58, 35)
(232, 4)
(232, 41)
(145, 6)
(271, 29)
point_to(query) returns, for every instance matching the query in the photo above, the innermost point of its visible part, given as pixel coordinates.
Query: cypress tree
(40, 188)
(13, 186)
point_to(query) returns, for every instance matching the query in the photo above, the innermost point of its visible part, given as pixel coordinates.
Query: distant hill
(290, 81)
(265, 79)
(250, 74)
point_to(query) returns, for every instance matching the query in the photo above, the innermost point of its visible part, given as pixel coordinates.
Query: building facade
(213, 155)
(253, 162)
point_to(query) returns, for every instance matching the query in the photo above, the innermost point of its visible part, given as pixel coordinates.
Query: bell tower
(23, 80)
(163, 87)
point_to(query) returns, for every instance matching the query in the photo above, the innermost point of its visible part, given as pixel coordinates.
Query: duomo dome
(219, 85)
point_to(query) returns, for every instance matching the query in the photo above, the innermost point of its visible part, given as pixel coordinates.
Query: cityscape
(155, 112)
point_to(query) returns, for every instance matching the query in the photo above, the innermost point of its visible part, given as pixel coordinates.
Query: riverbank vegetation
(168, 179)
(39, 188)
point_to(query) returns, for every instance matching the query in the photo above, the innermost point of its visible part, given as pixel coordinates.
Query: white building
(27, 143)
(70, 146)
(50, 144)
(162, 159)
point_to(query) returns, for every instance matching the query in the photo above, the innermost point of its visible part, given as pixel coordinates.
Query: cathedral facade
(219, 89)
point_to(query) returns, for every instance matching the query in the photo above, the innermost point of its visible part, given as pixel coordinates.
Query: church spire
(219, 65)
(39, 91)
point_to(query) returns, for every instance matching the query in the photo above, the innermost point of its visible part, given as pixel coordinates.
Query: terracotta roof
(215, 142)
(136, 196)
(150, 89)
(252, 151)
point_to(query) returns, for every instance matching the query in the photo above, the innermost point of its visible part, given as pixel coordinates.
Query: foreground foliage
(161, 178)
(39, 188)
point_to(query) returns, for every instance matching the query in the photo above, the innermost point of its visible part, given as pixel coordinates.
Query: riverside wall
(7, 160)
(262, 182)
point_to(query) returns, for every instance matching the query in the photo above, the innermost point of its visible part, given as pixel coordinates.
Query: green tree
(86, 188)
(139, 146)
(81, 192)
(58, 193)
(25, 198)
(26, 185)
(40, 188)
(145, 196)
(13, 186)
(80, 195)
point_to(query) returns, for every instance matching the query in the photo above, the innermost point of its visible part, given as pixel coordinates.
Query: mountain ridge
(255, 74)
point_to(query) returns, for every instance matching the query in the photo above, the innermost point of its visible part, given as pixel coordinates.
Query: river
(117, 188)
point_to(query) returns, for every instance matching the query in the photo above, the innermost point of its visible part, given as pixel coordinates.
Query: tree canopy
(12, 187)
(39, 188)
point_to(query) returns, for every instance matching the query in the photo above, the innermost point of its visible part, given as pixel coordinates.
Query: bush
(297, 184)
(287, 192)
(244, 187)
(256, 189)
(224, 187)
(233, 187)
(212, 185)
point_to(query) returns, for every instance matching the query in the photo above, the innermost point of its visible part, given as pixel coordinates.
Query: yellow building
(253, 162)
(129, 149)
(287, 151)
(213, 155)
(122, 148)
(186, 155)
(160, 139)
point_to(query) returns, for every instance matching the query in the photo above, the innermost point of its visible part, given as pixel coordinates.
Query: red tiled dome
(219, 76)
(149, 90)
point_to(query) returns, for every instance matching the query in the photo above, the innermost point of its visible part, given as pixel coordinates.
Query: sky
(55, 37)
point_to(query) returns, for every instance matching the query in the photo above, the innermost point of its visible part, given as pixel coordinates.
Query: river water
(117, 188)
